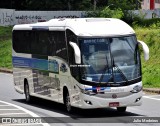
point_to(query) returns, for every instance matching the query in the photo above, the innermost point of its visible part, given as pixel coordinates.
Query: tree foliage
(68, 4)
(47, 4)
(107, 13)
(125, 4)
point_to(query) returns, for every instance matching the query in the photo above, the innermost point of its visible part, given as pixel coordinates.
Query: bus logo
(114, 96)
(63, 68)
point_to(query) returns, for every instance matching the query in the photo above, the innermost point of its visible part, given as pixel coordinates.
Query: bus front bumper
(88, 101)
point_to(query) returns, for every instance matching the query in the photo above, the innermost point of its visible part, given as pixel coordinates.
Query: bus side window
(21, 41)
(61, 50)
(51, 44)
(43, 43)
(35, 45)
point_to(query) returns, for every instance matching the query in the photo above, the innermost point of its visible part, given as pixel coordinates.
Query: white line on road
(13, 114)
(19, 107)
(151, 98)
(25, 110)
(154, 96)
(4, 105)
(8, 109)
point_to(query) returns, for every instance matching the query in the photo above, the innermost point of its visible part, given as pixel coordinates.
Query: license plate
(113, 104)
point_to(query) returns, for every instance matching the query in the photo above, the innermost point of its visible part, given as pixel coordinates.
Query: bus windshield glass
(110, 60)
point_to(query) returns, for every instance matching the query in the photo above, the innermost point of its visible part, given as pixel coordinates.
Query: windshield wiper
(104, 71)
(121, 73)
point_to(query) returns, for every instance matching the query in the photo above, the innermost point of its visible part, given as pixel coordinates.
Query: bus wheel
(26, 91)
(67, 102)
(121, 109)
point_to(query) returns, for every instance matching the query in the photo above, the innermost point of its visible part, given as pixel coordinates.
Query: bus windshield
(110, 60)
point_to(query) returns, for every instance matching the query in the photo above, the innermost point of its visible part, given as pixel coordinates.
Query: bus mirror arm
(145, 49)
(77, 52)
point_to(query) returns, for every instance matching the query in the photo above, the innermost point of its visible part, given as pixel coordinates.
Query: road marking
(19, 107)
(13, 113)
(8, 109)
(4, 105)
(25, 110)
(151, 98)
(154, 96)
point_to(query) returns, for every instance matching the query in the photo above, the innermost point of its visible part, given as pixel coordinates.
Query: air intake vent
(97, 20)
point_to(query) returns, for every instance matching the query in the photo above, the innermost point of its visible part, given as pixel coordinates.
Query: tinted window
(61, 50)
(40, 42)
(43, 43)
(22, 40)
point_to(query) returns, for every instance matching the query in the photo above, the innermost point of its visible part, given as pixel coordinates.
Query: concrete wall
(26, 17)
(12, 17)
(7, 17)
(148, 14)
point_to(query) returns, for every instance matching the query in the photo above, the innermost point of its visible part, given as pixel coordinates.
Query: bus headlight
(88, 92)
(136, 89)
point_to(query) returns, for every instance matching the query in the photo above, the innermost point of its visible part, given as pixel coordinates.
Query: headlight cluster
(136, 89)
(88, 92)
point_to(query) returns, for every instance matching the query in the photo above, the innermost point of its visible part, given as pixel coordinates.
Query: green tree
(106, 13)
(125, 4)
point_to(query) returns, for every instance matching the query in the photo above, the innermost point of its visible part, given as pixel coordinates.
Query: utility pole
(95, 4)
(11, 4)
(136, 4)
(69, 5)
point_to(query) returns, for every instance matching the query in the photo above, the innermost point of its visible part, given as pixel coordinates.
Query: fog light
(88, 102)
(138, 99)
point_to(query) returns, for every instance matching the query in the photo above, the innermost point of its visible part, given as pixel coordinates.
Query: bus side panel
(20, 74)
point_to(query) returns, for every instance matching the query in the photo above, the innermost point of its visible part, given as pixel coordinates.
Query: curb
(4, 70)
(149, 90)
(152, 90)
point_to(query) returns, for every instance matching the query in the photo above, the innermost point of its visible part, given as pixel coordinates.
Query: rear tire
(121, 109)
(26, 91)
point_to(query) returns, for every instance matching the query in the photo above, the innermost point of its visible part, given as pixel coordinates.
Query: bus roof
(83, 26)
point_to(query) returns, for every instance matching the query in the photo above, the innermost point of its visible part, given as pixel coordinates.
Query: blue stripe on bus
(96, 88)
(30, 63)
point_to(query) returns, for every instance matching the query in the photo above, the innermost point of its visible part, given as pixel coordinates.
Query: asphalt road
(56, 114)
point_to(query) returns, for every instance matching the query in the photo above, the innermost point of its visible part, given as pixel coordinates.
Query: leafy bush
(151, 68)
(106, 13)
(5, 32)
(131, 18)
(152, 23)
(5, 54)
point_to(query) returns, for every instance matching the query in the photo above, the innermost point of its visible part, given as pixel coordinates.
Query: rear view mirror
(77, 52)
(145, 49)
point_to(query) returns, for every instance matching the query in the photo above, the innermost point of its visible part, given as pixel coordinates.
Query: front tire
(121, 109)
(26, 91)
(67, 103)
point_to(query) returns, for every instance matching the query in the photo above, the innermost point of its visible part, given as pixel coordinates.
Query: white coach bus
(85, 62)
